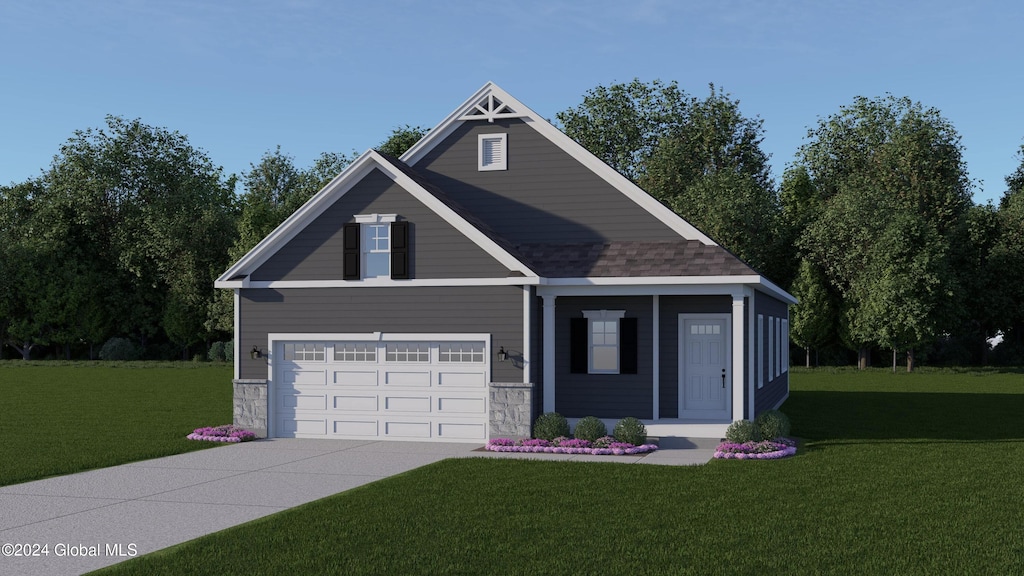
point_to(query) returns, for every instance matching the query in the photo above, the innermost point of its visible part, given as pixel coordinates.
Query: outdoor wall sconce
(255, 353)
(502, 354)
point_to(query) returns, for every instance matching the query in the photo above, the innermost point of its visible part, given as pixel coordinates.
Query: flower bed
(562, 445)
(225, 433)
(763, 450)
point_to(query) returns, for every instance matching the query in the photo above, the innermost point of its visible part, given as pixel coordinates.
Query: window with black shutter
(350, 252)
(400, 251)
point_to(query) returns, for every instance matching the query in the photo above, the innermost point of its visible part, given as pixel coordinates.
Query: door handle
(723, 377)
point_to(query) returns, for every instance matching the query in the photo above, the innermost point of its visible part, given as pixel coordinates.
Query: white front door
(705, 375)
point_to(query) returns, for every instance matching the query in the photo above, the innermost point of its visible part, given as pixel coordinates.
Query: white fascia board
(388, 283)
(299, 219)
(731, 289)
(771, 288)
(570, 146)
(652, 280)
(378, 336)
(453, 218)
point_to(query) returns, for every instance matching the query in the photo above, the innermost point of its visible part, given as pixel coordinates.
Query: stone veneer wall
(511, 410)
(251, 405)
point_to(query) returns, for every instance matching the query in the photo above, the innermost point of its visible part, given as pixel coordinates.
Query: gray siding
(544, 196)
(668, 333)
(604, 395)
(775, 388)
(437, 249)
(497, 310)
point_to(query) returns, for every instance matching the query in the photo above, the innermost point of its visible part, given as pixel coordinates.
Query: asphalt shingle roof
(632, 259)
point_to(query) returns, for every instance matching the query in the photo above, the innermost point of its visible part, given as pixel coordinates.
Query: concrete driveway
(81, 522)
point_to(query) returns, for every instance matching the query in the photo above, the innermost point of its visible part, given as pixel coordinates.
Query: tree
(402, 139)
(891, 191)
(813, 318)
(700, 157)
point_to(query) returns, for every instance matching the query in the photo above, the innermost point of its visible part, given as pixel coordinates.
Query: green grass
(898, 474)
(59, 418)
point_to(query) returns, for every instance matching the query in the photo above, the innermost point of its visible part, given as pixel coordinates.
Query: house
(497, 270)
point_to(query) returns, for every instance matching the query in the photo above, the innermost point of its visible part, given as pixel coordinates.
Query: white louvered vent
(493, 152)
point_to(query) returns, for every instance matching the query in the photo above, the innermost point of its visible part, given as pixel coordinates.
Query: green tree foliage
(1006, 263)
(402, 139)
(813, 319)
(889, 193)
(700, 157)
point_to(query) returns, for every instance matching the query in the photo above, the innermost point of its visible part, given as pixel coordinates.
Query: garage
(381, 386)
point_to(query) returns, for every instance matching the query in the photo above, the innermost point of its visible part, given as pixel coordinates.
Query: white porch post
(738, 350)
(656, 369)
(549, 353)
(751, 344)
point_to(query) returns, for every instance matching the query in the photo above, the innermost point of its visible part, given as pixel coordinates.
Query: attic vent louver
(493, 152)
(489, 108)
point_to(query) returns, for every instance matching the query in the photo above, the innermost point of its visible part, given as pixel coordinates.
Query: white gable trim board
(416, 387)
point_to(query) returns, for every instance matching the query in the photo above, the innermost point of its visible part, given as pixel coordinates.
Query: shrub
(630, 430)
(550, 425)
(120, 349)
(590, 428)
(229, 351)
(216, 353)
(742, 431)
(772, 424)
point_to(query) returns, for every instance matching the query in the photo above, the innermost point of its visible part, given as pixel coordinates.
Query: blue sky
(240, 78)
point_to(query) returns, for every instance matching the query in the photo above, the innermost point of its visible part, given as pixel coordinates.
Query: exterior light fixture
(502, 354)
(255, 353)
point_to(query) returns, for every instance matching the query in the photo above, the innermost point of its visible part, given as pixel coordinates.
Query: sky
(240, 78)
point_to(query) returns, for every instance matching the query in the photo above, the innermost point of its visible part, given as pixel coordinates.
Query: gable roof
(632, 259)
(237, 275)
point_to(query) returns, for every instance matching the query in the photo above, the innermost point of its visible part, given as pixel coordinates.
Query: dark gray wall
(775, 388)
(544, 196)
(438, 250)
(668, 333)
(604, 395)
(497, 310)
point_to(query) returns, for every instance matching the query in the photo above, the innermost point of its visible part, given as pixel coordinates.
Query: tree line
(872, 227)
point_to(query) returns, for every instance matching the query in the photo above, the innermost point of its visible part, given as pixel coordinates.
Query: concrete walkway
(82, 522)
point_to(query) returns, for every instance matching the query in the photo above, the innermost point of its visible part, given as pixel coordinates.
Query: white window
(771, 348)
(603, 340)
(304, 351)
(778, 347)
(375, 244)
(760, 350)
(493, 152)
(355, 351)
(461, 352)
(407, 352)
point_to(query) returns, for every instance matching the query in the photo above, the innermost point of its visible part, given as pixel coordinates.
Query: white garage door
(403, 387)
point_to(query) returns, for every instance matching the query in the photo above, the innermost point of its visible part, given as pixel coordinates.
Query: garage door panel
(407, 429)
(407, 403)
(455, 405)
(305, 377)
(407, 378)
(462, 379)
(304, 426)
(461, 431)
(367, 428)
(355, 378)
(305, 401)
(367, 403)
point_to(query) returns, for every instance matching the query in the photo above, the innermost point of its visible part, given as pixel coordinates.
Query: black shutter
(627, 346)
(578, 345)
(350, 252)
(400, 250)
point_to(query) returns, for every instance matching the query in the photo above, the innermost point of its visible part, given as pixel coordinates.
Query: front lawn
(59, 418)
(899, 474)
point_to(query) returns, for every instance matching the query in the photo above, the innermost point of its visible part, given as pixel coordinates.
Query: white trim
(760, 351)
(785, 344)
(549, 353)
(655, 356)
(727, 326)
(778, 347)
(771, 349)
(382, 283)
(736, 348)
(501, 163)
(375, 218)
(604, 316)
(336, 189)
(237, 332)
(748, 343)
(641, 290)
(527, 332)
(758, 282)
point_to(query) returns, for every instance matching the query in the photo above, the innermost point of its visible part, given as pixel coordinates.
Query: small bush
(120, 349)
(550, 425)
(630, 430)
(229, 351)
(742, 431)
(590, 428)
(772, 424)
(216, 353)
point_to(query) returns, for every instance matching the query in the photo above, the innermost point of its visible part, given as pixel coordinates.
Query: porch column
(738, 350)
(549, 353)
(656, 368)
(751, 344)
